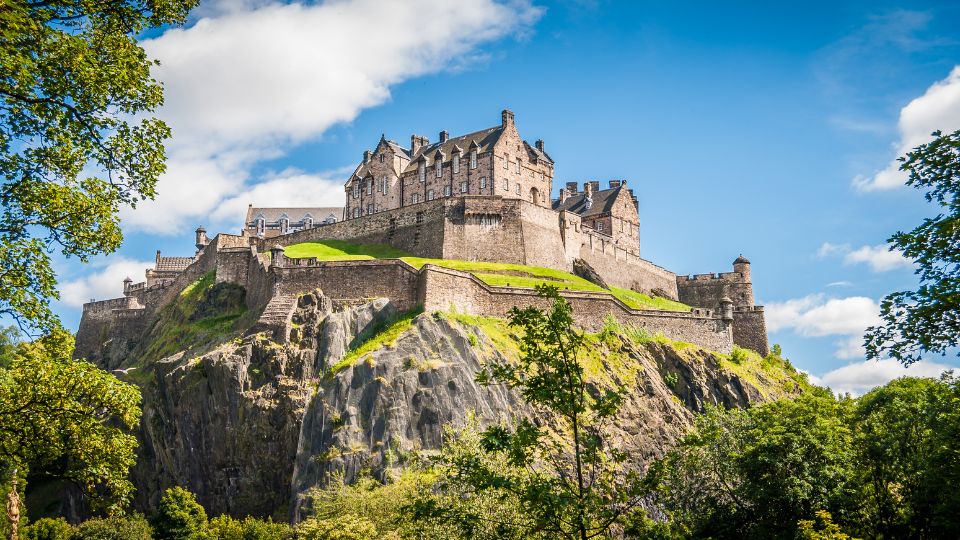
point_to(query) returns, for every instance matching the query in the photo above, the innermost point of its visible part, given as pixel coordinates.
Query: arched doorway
(535, 195)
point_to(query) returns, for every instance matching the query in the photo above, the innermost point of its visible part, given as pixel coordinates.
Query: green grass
(337, 250)
(491, 273)
(382, 335)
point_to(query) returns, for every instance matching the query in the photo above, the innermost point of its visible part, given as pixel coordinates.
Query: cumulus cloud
(937, 108)
(251, 79)
(880, 258)
(105, 281)
(816, 315)
(860, 377)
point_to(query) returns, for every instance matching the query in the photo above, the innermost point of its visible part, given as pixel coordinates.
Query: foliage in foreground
(927, 320)
(884, 465)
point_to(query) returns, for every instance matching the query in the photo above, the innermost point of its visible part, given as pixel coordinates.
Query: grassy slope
(497, 274)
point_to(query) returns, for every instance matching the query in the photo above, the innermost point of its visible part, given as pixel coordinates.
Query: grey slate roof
(602, 203)
(173, 264)
(484, 138)
(294, 214)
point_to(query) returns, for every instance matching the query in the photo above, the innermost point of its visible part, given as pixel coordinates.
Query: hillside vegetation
(491, 273)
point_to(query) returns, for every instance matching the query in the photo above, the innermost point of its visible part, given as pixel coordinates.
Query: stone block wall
(750, 329)
(706, 290)
(483, 229)
(444, 289)
(351, 280)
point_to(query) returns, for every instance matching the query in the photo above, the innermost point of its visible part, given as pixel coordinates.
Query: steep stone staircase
(276, 317)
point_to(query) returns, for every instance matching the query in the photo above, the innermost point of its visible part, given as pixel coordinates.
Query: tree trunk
(13, 508)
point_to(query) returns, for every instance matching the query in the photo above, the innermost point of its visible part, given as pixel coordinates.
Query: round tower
(742, 266)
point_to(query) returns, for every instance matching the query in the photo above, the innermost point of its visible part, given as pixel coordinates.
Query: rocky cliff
(251, 416)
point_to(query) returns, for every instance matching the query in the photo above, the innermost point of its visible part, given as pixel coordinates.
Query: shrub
(133, 527)
(344, 527)
(671, 379)
(739, 355)
(47, 529)
(179, 516)
(228, 528)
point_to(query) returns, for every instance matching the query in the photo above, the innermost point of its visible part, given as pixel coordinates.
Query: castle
(484, 196)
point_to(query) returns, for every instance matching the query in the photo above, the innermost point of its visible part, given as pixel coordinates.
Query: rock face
(251, 424)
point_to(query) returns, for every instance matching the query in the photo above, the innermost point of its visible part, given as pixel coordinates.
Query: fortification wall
(750, 329)
(352, 280)
(95, 325)
(445, 289)
(260, 283)
(479, 228)
(542, 241)
(706, 290)
(417, 229)
(622, 269)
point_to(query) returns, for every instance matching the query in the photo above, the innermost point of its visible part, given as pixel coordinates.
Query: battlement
(722, 276)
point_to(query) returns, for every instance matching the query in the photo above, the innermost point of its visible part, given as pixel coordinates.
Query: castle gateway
(484, 196)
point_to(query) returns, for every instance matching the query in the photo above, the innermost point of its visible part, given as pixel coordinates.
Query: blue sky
(767, 131)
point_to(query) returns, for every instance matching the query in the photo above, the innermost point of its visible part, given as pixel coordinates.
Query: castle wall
(483, 229)
(416, 229)
(445, 289)
(352, 280)
(706, 290)
(542, 241)
(95, 326)
(750, 329)
(623, 269)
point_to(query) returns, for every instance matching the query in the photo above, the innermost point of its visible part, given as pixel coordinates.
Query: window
(456, 163)
(415, 198)
(429, 194)
(260, 226)
(356, 212)
(518, 165)
(473, 159)
(308, 223)
(483, 182)
(506, 185)
(463, 187)
(439, 169)
(356, 190)
(369, 209)
(506, 162)
(381, 158)
(422, 169)
(599, 226)
(383, 185)
(446, 191)
(370, 187)
(518, 189)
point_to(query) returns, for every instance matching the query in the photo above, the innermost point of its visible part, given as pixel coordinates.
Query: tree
(926, 320)
(68, 418)
(72, 80)
(133, 527)
(180, 516)
(48, 529)
(574, 483)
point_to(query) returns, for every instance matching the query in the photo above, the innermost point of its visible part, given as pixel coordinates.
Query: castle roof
(173, 264)
(294, 214)
(484, 139)
(741, 260)
(601, 203)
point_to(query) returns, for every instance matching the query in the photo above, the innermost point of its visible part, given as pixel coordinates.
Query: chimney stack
(563, 195)
(588, 189)
(444, 136)
(615, 183)
(539, 145)
(506, 118)
(572, 188)
(366, 156)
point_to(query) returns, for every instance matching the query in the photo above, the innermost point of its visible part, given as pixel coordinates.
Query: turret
(742, 266)
(202, 239)
(726, 308)
(276, 256)
(126, 285)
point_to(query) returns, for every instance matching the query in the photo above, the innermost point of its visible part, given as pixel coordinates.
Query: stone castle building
(484, 196)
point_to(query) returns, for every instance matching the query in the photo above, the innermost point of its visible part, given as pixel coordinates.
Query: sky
(767, 129)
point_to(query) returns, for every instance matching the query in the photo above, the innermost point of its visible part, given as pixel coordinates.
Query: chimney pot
(572, 187)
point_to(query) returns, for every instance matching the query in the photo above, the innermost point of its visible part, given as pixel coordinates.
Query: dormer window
(456, 163)
(473, 159)
(422, 171)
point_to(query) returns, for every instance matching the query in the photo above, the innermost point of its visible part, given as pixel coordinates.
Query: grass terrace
(491, 273)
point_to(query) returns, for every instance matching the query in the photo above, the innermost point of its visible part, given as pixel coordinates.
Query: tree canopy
(75, 145)
(926, 320)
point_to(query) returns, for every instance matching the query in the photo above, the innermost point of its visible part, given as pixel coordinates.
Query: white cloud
(290, 188)
(860, 377)
(252, 79)
(880, 257)
(816, 315)
(937, 108)
(103, 282)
